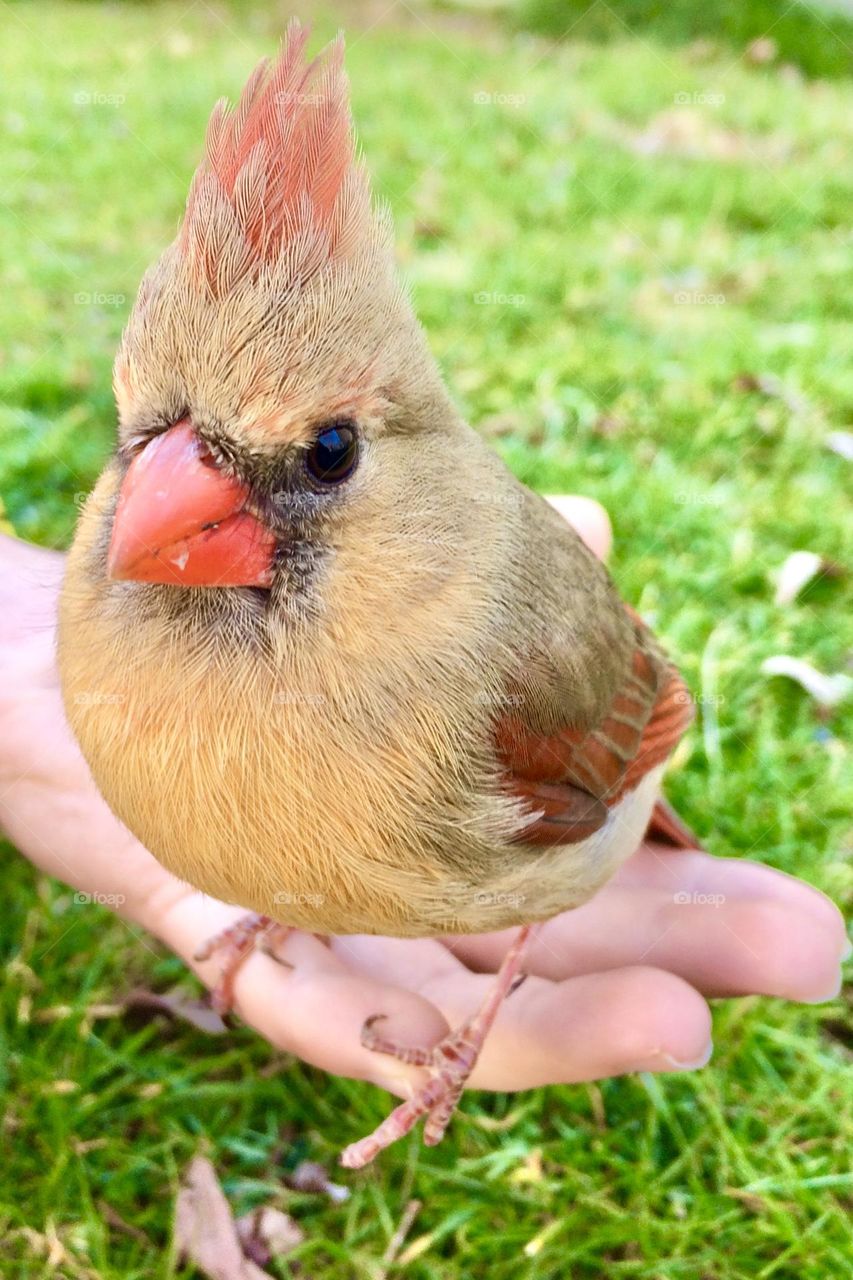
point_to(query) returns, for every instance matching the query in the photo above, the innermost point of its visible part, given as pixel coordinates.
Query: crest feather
(279, 179)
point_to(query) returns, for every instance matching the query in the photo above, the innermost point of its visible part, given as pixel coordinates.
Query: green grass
(812, 36)
(600, 183)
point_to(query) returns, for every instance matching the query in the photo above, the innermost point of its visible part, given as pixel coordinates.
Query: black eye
(334, 454)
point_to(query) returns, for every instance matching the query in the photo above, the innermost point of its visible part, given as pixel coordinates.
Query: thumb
(588, 518)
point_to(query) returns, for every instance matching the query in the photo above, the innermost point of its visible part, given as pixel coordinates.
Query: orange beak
(180, 521)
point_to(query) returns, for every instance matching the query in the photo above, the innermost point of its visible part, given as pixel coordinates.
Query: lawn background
(631, 248)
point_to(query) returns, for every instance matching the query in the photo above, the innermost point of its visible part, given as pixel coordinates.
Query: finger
(656, 865)
(312, 1004)
(603, 1024)
(727, 926)
(588, 518)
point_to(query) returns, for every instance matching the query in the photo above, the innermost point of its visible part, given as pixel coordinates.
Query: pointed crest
(279, 184)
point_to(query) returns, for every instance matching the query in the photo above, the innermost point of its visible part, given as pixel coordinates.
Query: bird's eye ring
(334, 454)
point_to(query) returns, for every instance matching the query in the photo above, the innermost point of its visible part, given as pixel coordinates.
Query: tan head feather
(277, 307)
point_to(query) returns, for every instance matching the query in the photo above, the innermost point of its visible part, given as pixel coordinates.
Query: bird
(326, 657)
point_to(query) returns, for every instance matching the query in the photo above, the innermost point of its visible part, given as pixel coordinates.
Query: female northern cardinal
(325, 656)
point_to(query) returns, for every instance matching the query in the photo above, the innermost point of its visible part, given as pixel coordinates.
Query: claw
(237, 943)
(449, 1064)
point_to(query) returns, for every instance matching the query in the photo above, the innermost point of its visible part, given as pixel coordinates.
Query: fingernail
(702, 1061)
(832, 994)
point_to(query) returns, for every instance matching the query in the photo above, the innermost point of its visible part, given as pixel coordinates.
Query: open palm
(617, 985)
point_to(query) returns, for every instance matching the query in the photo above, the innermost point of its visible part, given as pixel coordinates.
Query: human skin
(618, 985)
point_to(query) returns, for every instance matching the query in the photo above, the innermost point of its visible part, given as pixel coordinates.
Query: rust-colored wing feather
(573, 777)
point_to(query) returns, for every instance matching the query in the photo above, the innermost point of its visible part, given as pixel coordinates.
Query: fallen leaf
(183, 1008)
(311, 1176)
(268, 1233)
(205, 1231)
(827, 691)
(841, 442)
(797, 571)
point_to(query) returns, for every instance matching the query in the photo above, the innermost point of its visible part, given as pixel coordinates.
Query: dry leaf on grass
(267, 1233)
(310, 1176)
(205, 1230)
(183, 1008)
(798, 570)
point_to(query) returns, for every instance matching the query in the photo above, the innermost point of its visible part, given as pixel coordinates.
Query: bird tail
(666, 827)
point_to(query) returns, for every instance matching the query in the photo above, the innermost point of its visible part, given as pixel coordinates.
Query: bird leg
(448, 1064)
(237, 943)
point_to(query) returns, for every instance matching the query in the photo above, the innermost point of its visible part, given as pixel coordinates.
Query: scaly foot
(448, 1064)
(237, 943)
